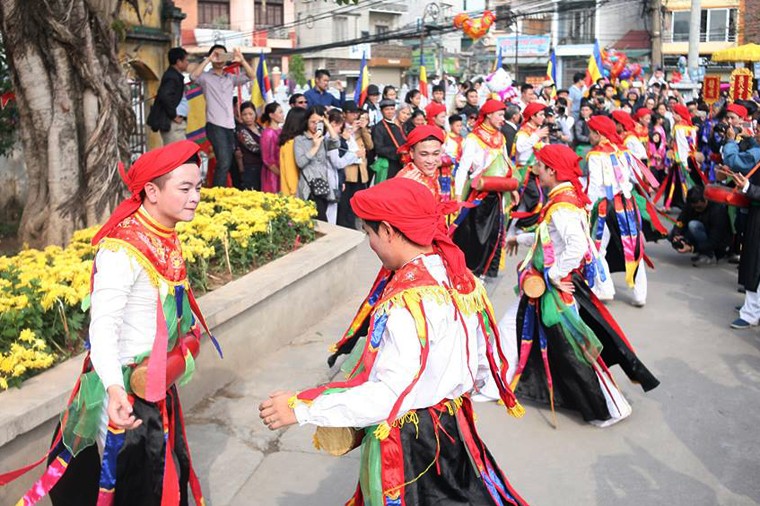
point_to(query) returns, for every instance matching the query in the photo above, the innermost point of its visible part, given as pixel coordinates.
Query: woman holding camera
(310, 149)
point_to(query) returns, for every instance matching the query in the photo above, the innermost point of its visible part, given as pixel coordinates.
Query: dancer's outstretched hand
(275, 412)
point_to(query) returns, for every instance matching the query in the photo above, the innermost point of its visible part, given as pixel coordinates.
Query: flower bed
(41, 292)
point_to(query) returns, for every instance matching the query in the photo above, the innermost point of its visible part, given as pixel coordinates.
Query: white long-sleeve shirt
(601, 174)
(525, 144)
(685, 136)
(476, 157)
(569, 233)
(447, 375)
(122, 314)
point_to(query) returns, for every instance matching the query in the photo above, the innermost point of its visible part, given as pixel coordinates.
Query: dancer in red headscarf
(685, 172)
(121, 440)
(431, 341)
(480, 230)
(564, 337)
(615, 217)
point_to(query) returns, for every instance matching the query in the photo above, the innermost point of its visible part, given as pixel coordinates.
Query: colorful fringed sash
(555, 307)
(407, 289)
(157, 249)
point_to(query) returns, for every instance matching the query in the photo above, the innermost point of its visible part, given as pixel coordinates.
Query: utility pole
(694, 28)
(517, 50)
(656, 6)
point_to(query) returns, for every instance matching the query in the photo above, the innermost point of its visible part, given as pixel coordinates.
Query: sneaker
(703, 260)
(741, 324)
(734, 258)
(694, 258)
(638, 303)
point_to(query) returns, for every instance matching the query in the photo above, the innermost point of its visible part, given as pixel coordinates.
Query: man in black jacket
(163, 115)
(511, 125)
(387, 138)
(703, 229)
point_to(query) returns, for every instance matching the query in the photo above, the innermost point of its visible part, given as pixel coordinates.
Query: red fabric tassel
(155, 389)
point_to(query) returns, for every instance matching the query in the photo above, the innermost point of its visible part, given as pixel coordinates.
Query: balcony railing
(668, 36)
(391, 7)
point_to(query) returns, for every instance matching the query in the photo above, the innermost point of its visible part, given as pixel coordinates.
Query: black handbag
(319, 187)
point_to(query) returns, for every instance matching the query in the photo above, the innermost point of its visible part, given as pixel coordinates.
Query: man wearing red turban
(685, 172)
(424, 149)
(617, 225)
(480, 230)
(566, 311)
(137, 330)
(643, 117)
(425, 352)
(530, 138)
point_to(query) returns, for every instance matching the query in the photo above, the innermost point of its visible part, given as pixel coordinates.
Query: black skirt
(139, 465)
(481, 234)
(576, 385)
(749, 264)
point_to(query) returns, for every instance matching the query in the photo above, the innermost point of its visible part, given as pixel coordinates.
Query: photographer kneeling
(703, 228)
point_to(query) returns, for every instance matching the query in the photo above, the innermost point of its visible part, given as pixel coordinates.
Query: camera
(678, 243)
(321, 128)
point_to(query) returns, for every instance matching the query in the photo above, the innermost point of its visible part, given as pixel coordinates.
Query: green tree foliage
(297, 70)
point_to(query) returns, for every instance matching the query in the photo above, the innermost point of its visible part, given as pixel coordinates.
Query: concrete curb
(251, 316)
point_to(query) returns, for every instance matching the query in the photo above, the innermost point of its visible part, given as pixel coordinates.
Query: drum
(496, 184)
(175, 366)
(337, 440)
(533, 285)
(725, 195)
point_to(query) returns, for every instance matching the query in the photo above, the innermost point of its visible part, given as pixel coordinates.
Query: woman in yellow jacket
(288, 169)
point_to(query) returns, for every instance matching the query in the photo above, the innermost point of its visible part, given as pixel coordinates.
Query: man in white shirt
(617, 229)
(121, 440)
(565, 313)
(418, 364)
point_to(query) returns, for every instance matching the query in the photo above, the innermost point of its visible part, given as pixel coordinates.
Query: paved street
(692, 441)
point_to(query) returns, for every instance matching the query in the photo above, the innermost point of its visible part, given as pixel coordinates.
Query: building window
(381, 30)
(716, 25)
(578, 27)
(214, 13)
(268, 13)
(341, 28)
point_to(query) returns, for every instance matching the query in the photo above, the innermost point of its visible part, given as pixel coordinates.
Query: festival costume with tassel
(428, 345)
(644, 183)
(431, 340)
(144, 335)
(567, 342)
(684, 172)
(480, 228)
(138, 466)
(616, 221)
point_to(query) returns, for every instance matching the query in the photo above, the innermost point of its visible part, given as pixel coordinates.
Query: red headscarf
(491, 105)
(564, 161)
(412, 209)
(684, 113)
(419, 134)
(737, 109)
(148, 167)
(643, 112)
(624, 119)
(532, 109)
(432, 110)
(606, 127)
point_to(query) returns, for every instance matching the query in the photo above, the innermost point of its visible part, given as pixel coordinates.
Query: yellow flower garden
(41, 291)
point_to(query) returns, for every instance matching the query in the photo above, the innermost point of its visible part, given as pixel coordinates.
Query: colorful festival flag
(261, 91)
(423, 77)
(360, 93)
(594, 69)
(551, 72)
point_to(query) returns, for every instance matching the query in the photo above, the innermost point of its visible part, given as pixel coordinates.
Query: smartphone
(320, 128)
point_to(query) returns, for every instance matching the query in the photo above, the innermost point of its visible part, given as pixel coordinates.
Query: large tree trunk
(75, 111)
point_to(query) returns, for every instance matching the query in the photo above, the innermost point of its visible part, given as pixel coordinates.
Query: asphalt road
(692, 441)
